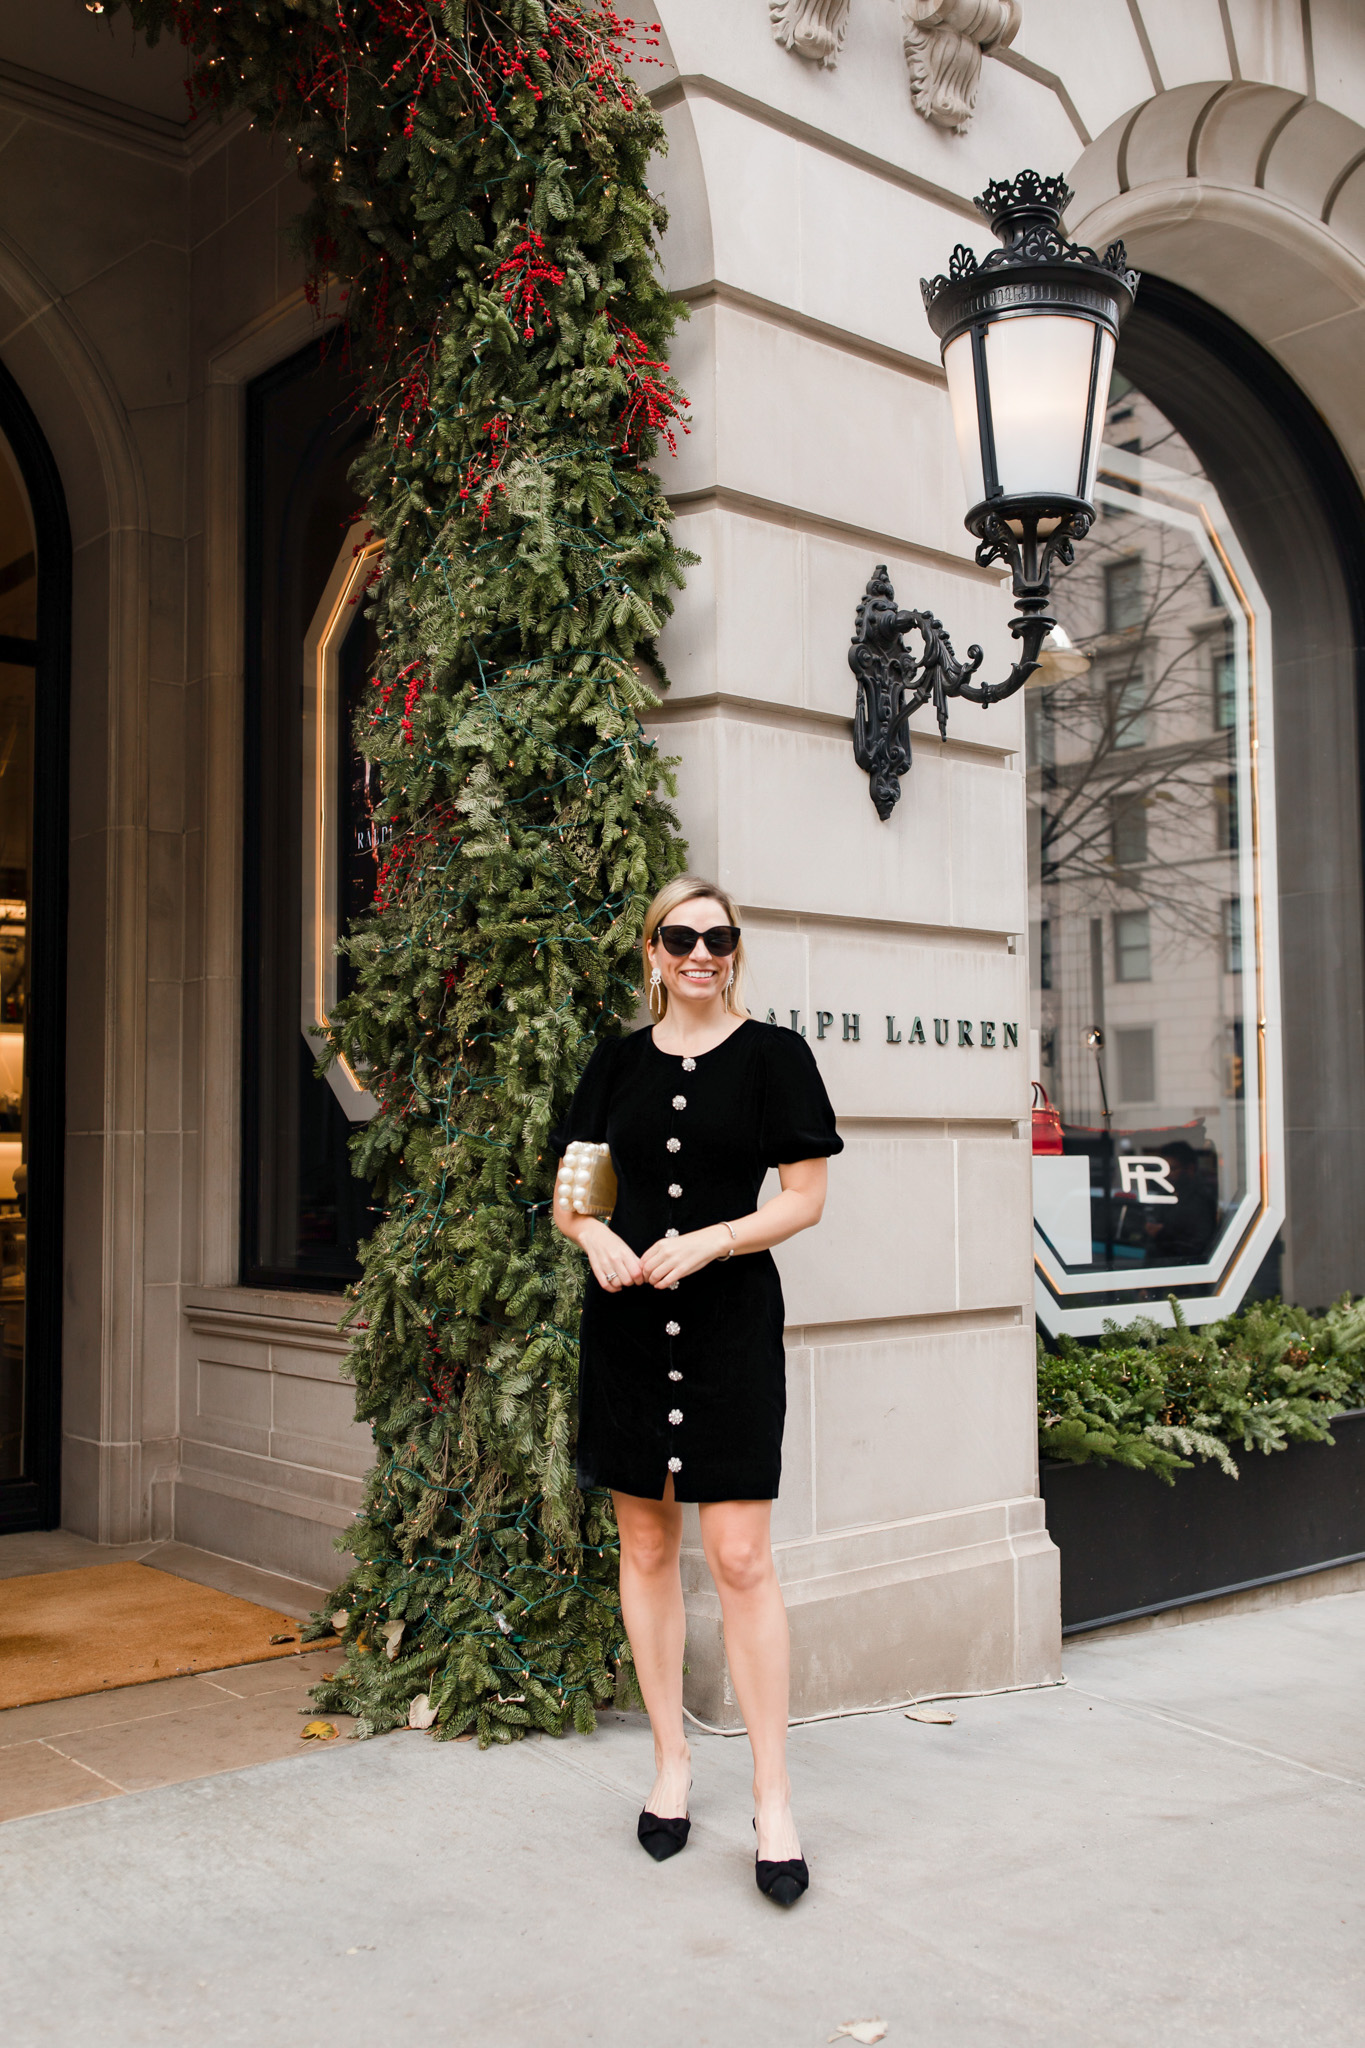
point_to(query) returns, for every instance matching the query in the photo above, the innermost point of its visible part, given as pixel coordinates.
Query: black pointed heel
(783, 1883)
(661, 1836)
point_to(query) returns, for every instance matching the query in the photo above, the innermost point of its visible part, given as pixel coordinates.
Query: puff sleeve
(586, 1115)
(796, 1119)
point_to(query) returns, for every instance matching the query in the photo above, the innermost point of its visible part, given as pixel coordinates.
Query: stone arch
(73, 396)
(1245, 205)
(1254, 198)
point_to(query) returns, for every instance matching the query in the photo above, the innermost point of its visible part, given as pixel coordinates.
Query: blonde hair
(686, 889)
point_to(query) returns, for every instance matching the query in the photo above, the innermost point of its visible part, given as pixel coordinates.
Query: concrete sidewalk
(1169, 1849)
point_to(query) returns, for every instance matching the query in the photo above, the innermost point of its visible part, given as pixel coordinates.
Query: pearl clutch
(586, 1181)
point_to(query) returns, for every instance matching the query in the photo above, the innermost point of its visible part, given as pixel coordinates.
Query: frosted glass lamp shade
(1028, 392)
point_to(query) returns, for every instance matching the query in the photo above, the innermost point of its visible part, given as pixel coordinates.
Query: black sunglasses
(680, 939)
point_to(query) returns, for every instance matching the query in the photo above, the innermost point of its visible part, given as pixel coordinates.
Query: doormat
(65, 1633)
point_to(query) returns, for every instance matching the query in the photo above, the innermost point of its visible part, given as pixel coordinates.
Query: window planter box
(1132, 1546)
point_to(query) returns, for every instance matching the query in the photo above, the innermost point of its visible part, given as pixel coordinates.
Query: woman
(682, 1389)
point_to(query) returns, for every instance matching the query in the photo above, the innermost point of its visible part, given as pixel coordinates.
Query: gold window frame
(320, 849)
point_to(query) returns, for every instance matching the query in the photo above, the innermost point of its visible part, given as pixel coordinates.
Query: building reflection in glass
(1141, 882)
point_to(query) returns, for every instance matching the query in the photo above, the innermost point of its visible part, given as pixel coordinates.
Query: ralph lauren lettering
(994, 1035)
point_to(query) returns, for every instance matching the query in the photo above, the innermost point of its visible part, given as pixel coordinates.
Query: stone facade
(144, 279)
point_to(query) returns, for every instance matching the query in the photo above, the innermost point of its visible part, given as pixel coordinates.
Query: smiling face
(700, 978)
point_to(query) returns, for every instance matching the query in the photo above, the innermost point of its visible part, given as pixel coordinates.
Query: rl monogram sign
(957, 1031)
(1140, 1172)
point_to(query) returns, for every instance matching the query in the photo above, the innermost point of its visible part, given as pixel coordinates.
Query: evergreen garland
(479, 203)
(1156, 1398)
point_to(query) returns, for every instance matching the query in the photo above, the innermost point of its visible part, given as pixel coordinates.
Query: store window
(35, 661)
(18, 661)
(1150, 848)
(309, 854)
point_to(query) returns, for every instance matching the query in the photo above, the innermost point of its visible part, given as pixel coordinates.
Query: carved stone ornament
(944, 44)
(810, 28)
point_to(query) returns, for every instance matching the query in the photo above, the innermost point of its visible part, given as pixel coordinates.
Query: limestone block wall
(271, 1457)
(912, 1545)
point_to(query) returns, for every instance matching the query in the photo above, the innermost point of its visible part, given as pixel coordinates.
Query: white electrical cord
(926, 1699)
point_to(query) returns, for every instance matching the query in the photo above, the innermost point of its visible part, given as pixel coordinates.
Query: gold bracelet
(733, 1241)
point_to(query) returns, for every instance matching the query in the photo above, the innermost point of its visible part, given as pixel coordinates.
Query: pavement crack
(1171, 1720)
(46, 1742)
(569, 1763)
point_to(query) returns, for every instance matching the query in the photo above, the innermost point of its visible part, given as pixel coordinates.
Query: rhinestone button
(670, 1233)
(675, 1464)
(673, 1329)
(674, 1190)
(675, 1145)
(675, 1416)
(689, 1066)
(679, 1102)
(675, 1375)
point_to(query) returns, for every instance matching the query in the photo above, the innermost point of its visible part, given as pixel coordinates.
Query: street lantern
(1027, 337)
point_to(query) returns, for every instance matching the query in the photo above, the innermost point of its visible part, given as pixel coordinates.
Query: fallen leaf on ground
(283, 1639)
(934, 1714)
(421, 1714)
(860, 2030)
(318, 1731)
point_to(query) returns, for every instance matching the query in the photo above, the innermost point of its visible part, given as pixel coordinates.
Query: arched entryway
(1244, 206)
(35, 641)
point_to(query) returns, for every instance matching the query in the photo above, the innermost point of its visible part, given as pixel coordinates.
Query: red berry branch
(653, 401)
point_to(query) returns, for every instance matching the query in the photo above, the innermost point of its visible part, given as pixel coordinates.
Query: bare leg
(652, 1604)
(735, 1535)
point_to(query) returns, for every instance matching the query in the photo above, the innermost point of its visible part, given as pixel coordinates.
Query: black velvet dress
(692, 1380)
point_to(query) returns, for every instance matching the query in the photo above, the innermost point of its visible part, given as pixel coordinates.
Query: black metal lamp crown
(1027, 338)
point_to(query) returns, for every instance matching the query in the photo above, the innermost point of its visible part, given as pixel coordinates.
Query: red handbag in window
(1047, 1123)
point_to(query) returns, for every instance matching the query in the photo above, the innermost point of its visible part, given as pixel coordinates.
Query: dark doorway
(35, 670)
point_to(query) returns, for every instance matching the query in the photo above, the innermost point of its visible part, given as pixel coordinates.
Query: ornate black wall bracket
(893, 682)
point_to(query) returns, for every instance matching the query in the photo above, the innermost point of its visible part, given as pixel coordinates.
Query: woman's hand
(673, 1258)
(613, 1263)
